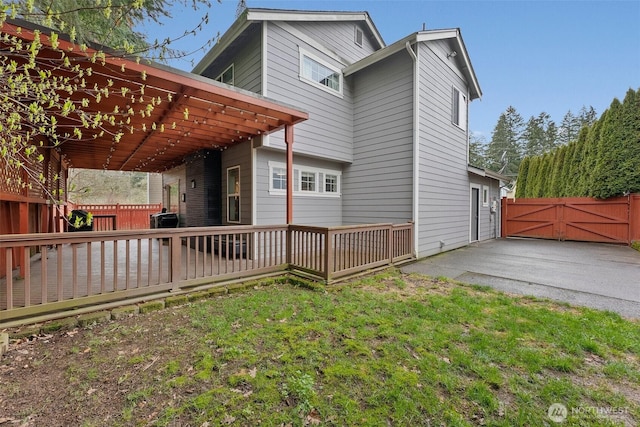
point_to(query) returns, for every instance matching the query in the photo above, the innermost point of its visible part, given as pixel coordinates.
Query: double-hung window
(319, 73)
(459, 110)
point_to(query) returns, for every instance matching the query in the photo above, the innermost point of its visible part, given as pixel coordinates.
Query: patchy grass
(388, 349)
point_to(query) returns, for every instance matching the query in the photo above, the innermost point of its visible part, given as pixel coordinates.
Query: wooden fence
(118, 217)
(84, 269)
(614, 220)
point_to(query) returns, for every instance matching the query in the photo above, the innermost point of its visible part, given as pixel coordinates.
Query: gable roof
(192, 112)
(452, 34)
(251, 16)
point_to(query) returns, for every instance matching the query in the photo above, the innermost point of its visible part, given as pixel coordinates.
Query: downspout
(416, 147)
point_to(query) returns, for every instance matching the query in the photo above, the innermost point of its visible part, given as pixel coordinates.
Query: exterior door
(475, 213)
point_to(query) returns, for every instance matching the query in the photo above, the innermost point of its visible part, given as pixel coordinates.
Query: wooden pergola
(160, 114)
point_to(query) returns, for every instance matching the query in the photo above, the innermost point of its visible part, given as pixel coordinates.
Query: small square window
(307, 181)
(485, 195)
(279, 178)
(331, 183)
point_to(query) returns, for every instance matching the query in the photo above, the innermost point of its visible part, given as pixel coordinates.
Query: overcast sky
(550, 56)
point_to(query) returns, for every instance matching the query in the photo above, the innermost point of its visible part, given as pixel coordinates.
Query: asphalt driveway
(601, 276)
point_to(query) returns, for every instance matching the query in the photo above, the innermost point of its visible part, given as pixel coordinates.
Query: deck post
(176, 261)
(288, 138)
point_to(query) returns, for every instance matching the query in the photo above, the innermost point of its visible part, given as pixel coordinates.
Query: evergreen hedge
(602, 162)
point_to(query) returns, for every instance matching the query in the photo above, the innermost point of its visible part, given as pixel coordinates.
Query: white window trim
(320, 186)
(302, 54)
(485, 196)
(233, 76)
(462, 108)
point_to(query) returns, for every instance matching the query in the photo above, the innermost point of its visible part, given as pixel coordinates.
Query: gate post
(503, 217)
(634, 217)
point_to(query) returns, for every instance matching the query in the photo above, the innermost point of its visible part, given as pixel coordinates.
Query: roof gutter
(416, 147)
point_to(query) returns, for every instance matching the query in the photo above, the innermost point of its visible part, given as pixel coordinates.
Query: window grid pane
(317, 72)
(331, 184)
(308, 181)
(279, 179)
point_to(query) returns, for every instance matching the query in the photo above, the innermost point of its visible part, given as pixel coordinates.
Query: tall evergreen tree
(617, 169)
(533, 137)
(554, 189)
(477, 147)
(580, 172)
(504, 151)
(551, 135)
(631, 162)
(532, 177)
(606, 179)
(569, 128)
(565, 185)
(523, 176)
(587, 116)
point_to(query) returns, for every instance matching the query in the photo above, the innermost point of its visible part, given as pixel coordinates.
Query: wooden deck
(70, 270)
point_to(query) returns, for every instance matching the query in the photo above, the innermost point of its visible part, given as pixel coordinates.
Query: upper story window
(226, 76)
(459, 110)
(319, 73)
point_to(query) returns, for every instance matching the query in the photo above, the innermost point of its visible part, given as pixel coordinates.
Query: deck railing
(336, 252)
(70, 270)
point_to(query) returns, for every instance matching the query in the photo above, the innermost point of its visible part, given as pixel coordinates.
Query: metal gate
(571, 218)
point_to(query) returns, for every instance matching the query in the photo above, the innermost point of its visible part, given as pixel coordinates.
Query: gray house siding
(246, 58)
(378, 184)
(203, 193)
(329, 131)
(444, 216)
(238, 155)
(339, 37)
(316, 209)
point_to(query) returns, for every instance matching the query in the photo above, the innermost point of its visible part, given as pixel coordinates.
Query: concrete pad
(601, 276)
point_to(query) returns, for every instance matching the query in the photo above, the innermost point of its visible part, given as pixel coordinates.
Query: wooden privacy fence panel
(82, 269)
(615, 220)
(119, 217)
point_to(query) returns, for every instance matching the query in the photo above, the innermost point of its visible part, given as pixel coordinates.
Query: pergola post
(288, 139)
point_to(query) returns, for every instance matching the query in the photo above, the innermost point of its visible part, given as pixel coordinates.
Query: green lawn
(388, 350)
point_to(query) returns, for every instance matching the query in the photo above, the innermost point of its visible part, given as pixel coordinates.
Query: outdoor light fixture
(452, 54)
(193, 183)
